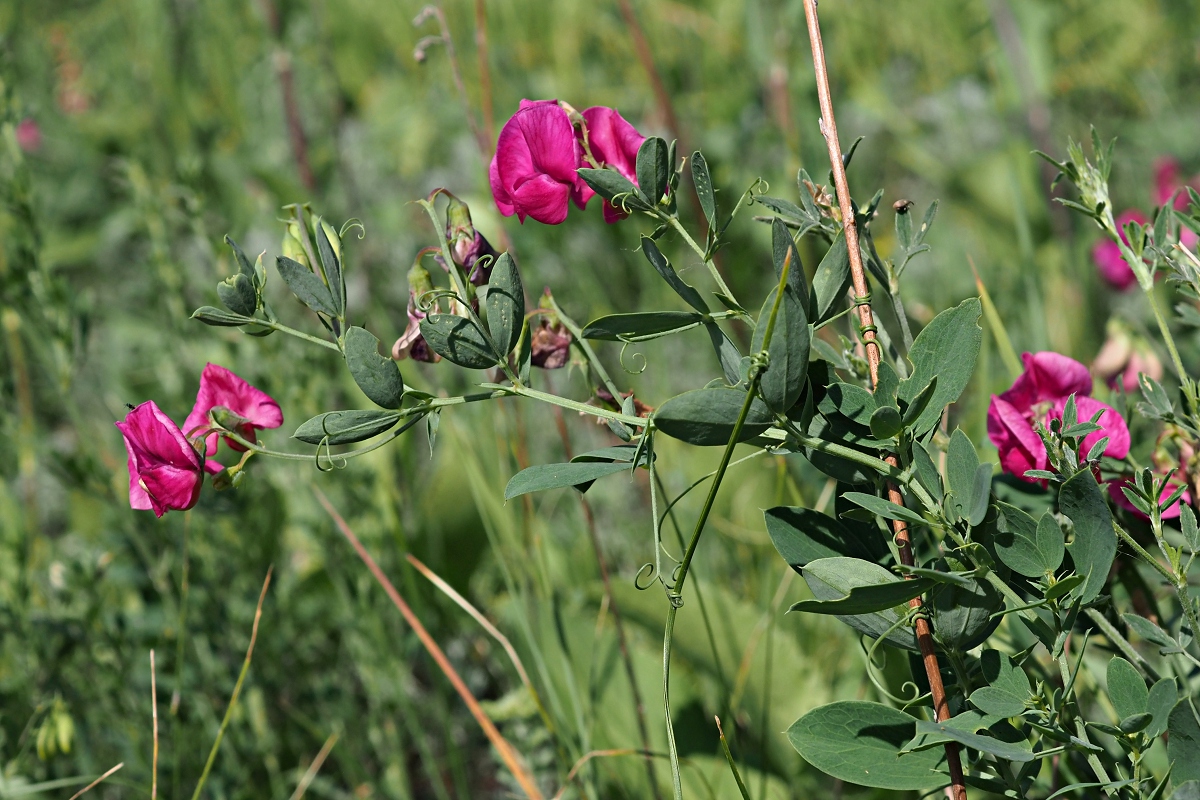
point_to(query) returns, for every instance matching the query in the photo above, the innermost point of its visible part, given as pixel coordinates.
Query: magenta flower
(1107, 254)
(29, 135)
(235, 403)
(165, 471)
(533, 173)
(614, 143)
(550, 346)
(1039, 395)
(1172, 511)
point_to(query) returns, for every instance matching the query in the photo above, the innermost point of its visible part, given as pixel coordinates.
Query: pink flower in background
(251, 409)
(1039, 395)
(614, 143)
(165, 471)
(1118, 496)
(533, 171)
(1168, 183)
(1122, 359)
(1107, 254)
(29, 135)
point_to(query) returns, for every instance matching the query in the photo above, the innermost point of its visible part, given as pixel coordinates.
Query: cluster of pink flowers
(167, 463)
(1168, 184)
(1040, 395)
(534, 172)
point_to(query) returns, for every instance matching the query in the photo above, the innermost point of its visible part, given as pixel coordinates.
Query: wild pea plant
(1043, 616)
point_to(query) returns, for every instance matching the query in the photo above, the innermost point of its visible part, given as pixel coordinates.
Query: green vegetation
(162, 127)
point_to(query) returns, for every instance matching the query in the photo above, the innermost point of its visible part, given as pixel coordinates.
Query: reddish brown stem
(924, 632)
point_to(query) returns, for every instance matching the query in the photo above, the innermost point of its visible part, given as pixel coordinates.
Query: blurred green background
(137, 133)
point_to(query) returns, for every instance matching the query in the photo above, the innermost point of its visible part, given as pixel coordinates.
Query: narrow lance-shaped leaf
(831, 278)
(702, 180)
(663, 267)
(652, 168)
(781, 245)
(1095, 543)
(706, 417)
(329, 248)
(787, 365)
(641, 325)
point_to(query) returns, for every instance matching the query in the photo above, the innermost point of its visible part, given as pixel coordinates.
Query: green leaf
(728, 355)
(706, 417)
(1188, 790)
(329, 248)
(884, 508)
(1065, 586)
(345, 427)
(652, 168)
(641, 325)
(918, 404)
(832, 579)
(219, 317)
(927, 473)
(963, 615)
(609, 184)
(239, 255)
(1029, 548)
(505, 303)
(861, 743)
(886, 423)
(1183, 742)
(1135, 723)
(702, 180)
(1151, 633)
(1161, 699)
(668, 273)
(311, 290)
(851, 401)
(459, 340)
(802, 535)
(557, 476)
(781, 245)
(978, 741)
(787, 366)
(961, 465)
(238, 294)
(377, 376)
(1007, 689)
(1095, 543)
(867, 599)
(1191, 533)
(946, 348)
(1126, 689)
(831, 279)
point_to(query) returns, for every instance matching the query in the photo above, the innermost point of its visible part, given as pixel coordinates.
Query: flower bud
(468, 245)
(412, 344)
(550, 341)
(292, 245)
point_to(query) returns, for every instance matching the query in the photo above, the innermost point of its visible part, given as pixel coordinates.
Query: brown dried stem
(507, 752)
(924, 632)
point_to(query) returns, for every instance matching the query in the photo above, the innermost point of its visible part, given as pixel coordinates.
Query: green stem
(712, 268)
(1121, 642)
(1166, 334)
(275, 326)
(586, 347)
(574, 405)
(1141, 551)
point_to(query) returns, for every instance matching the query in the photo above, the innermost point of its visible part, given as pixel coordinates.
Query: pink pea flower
(165, 471)
(1168, 183)
(1040, 395)
(550, 345)
(1122, 359)
(1107, 254)
(533, 173)
(29, 135)
(614, 143)
(243, 408)
(1172, 511)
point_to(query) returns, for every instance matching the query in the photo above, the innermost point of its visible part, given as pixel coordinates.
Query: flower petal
(1020, 448)
(220, 387)
(613, 140)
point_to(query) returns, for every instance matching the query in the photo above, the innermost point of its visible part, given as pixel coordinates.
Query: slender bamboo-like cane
(924, 631)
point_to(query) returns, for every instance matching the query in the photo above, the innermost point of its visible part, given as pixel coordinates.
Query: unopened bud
(292, 245)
